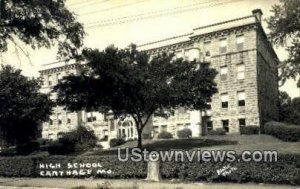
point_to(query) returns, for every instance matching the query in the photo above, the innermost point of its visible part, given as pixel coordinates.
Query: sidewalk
(67, 183)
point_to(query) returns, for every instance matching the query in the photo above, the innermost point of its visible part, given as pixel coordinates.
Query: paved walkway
(60, 183)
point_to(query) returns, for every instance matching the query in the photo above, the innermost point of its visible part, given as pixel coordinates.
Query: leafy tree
(284, 105)
(289, 109)
(130, 82)
(22, 107)
(40, 24)
(284, 25)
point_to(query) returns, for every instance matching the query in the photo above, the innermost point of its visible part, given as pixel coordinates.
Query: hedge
(283, 131)
(250, 130)
(165, 135)
(184, 133)
(285, 171)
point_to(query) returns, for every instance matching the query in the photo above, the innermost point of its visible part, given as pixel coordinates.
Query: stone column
(153, 172)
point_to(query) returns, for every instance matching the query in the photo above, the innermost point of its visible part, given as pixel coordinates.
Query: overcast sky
(121, 22)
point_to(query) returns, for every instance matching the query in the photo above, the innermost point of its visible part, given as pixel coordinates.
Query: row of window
(240, 70)
(52, 79)
(90, 118)
(225, 124)
(59, 118)
(241, 97)
(194, 53)
(126, 133)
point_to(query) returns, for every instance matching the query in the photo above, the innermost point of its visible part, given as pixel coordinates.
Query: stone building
(247, 79)
(247, 83)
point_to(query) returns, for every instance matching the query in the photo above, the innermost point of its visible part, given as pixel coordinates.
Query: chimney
(258, 14)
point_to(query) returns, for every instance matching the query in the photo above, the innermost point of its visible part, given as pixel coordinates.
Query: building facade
(247, 78)
(247, 83)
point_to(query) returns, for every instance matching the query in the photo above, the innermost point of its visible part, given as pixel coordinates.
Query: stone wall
(267, 80)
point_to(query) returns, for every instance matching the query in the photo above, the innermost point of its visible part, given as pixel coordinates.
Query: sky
(116, 22)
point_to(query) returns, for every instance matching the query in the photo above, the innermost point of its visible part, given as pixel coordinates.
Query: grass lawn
(238, 143)
(167, 144)
(255, 142)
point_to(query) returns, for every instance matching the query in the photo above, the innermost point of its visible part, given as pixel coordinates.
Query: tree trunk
(203, 125)
(139, 131)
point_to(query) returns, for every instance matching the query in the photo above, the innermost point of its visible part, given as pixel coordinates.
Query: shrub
(217, 131)
(250, 130)
(164, 135)
(184, 133)
(8, 151)
(286, 169)
(283, 131)
(116, 142)
(27, 148)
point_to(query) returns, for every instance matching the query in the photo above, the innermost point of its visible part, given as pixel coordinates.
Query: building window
(224, 100)
(240, 71)
(225, 124)
(240, 42)
(50, 82)
(208, 107)
(131, 131)
(68, 117)
(241, 98)
(163, 128)
(207, 47)
(59, 118)
(51, 120)
(51, 136)
(209, 125)
(59, 77)
(242, 122)
(223, 73)
(112, 124)
(193, 54)
(223, 45)
(91, 117)
(179, 54)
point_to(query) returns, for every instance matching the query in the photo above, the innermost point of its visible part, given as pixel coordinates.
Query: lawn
(255, 142)
(167, 144)
(238, 143)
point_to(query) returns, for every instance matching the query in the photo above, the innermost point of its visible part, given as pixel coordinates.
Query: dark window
(241, 98)
(209, 106)
(50, 122)
(241, 102)
(207, 53)
(94, 118)
(225, 124)
(242, 122)
(209, 125)
(224, 104)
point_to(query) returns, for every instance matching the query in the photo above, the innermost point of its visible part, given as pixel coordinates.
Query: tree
(40, 24)
(284, 27)
(22, 107)
(284, 105)
(78, 140)
(289, 109)
(130, 82)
